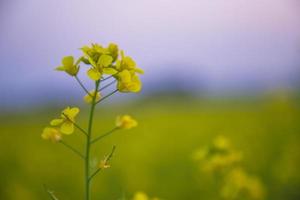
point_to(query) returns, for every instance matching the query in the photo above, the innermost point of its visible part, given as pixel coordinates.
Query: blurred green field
(156, 157)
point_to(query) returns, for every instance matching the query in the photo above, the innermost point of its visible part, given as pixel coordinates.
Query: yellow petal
(125, 76)
(139, 70)
(67, 128)
(68, 61)
(128, 63)
(51, 134)
(136, 84)
(140, 196)
(73, 112)
(105, 60)
(109, 70)
(89, 97)
(60, 68)
(126, 122)
(94, 74)
(56, 122)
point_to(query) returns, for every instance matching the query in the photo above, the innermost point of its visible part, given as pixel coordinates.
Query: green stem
(113, 92)
(72, 149)
(94, 174)
(104, 135)
(106, 86)
(82, 86)
(88, 143)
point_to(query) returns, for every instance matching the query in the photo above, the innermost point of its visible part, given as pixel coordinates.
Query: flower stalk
(104, 64)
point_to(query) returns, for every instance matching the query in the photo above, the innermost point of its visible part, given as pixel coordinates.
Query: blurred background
(211, 67)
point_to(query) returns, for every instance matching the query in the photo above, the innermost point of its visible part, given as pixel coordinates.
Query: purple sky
(225, 43)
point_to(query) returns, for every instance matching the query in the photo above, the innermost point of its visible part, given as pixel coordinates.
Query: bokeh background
(211, 67)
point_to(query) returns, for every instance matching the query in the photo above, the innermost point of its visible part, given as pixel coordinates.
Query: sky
(219, 45)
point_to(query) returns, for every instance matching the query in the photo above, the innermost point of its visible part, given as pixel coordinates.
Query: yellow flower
(221, 143)
(94, 73)
(51, 134)
(140, 196)
(128, 82)
(104, 164)
(127, 63)
(101, 60)
(68, 66)
(126, 122)
(67, 120)
(89, 97)
(113, 50)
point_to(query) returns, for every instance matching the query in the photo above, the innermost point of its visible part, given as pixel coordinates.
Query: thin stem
(72, 149)
(109, 84)
(94, 174)
(107, 96)
(104, 135)
(106, 78)
(81, 129)
(88, 142)
(82, 86)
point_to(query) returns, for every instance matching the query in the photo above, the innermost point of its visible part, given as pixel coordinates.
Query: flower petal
(67, 128)
(73, 112)
(109, 70)
(105, 60)
(68, 61)
(94, 74)
(56, 122)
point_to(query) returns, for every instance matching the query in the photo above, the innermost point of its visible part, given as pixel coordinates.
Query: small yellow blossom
(221, 143)
(128, 82)
(101, 60)
(238, 181)
(104, 164)
(52, 134)
(94, 74)
(127, 63)
(126, 122)
(67, 120)
(68, 66)
(140, 196)
(89, 97)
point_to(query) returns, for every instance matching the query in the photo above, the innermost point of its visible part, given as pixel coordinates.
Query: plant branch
(88, 143)
(72, 149)
(104, 135)
(82, 86)
(104, 79)
(106, 160)
(113, 92)
(109, 84)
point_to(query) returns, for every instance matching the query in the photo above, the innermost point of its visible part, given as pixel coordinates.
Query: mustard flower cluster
(221, 159)
(103, 61)
(102, 64)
